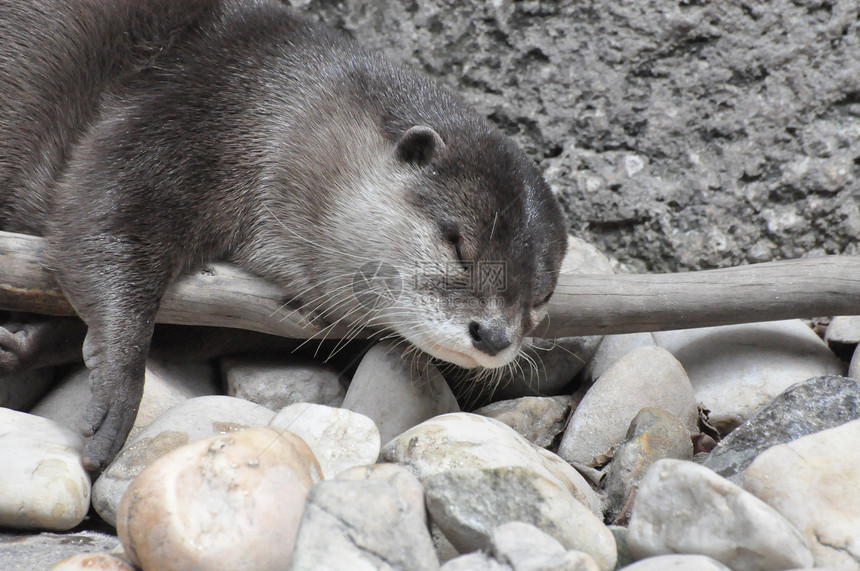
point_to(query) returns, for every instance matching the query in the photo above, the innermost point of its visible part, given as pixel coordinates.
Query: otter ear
(418, 145)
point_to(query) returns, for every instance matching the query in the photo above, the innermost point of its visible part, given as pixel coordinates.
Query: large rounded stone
(188, 421)
(232, 501)
(735, 369)
(644, 377)
(43, 484)
(682, 507)
(813, 482)
(339, 438)
(460, 441)
(526, 548)
(370, 518)
(677, 563)
(611, 349)
(468, 505)
(396, 392)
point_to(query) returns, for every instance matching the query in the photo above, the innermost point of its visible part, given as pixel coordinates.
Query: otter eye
(451, 233)
(459, 253)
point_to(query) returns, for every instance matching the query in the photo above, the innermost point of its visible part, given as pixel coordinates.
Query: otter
(144, 138)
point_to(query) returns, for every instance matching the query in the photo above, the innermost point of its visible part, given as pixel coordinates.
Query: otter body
(142, 138)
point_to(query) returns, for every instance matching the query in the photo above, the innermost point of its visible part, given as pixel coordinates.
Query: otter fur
(142, 138)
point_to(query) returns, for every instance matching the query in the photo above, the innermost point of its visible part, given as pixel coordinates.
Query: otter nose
(490, 340)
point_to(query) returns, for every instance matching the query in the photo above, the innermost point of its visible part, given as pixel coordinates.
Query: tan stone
(232, 501)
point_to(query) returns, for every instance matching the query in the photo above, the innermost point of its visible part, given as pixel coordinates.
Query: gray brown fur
(144, 138)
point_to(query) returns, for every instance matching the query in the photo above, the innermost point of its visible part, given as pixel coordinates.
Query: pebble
(611, 349)
(397, 393)
(165, 386)
(644, 377)
(843, 331)
(370, 518)
(20, 552)
(537, 419)
(653, 434)
(231, 501)
(806, 408)
(585, 258)
(276, 383)
(735, 369)
(462, 441)
(43, 484)
(92, 562)
(682, 507)
(677, 563)
(524, 547)
(813, 483)
(468, 505)
(478, 561)
(339, 438)
(190, 420)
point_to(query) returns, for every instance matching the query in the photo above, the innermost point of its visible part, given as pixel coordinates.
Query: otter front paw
(107, 423)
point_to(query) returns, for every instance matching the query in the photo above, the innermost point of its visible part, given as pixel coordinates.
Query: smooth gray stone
(374, 523)
(526, 548)
(277, 383)
(477, 561)
(397, 392)
(26, 552)
(677, 562)
(682, 507)
(537, 419)
(737, 369)
(469, 505)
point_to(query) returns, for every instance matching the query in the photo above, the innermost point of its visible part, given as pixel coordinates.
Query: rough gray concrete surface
(681, 135)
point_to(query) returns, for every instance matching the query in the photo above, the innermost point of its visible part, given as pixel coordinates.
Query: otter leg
(115, 285)
(33, 341)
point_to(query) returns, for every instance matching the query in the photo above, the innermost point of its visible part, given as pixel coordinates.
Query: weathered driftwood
(223, 295)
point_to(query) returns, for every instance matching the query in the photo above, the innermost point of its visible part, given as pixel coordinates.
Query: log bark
(226, 296)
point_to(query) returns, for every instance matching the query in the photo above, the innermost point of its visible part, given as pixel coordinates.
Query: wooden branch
(226, 296)
(813, 287)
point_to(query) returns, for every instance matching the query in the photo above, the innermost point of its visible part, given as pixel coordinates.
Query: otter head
(472, 244)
